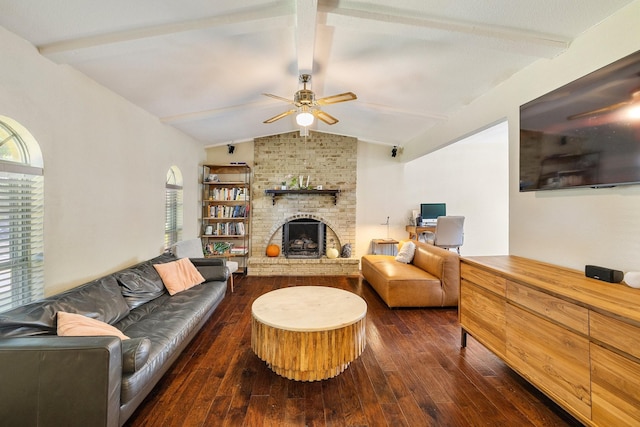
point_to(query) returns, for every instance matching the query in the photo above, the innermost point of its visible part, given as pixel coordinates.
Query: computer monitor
(432, 210)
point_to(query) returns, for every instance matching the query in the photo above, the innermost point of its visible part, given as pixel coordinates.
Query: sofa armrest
(207, 261)
(70, 381)
(451, 279)
(212, 269)
(443, 264)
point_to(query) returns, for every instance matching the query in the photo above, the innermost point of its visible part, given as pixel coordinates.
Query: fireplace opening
(304, 238)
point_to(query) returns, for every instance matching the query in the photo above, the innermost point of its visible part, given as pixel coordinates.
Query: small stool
(232, 266)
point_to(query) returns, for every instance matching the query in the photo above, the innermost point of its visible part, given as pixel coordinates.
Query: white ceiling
(202, 65)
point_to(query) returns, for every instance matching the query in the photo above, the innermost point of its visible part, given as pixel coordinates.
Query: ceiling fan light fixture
(306, 105)
(304, 118)
(634, 112)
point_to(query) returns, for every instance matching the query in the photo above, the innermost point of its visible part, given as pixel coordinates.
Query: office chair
(449, 233)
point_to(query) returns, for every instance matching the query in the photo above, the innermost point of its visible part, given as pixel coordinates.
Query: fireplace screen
(303, 238)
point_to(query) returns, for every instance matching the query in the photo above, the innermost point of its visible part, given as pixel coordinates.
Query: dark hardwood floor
(412, 373)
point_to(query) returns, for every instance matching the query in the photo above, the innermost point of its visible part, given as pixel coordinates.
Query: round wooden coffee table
(308, 333)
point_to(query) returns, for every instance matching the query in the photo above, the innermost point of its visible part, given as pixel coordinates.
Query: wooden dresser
(574, 338)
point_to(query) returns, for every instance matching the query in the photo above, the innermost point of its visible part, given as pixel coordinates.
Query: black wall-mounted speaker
(603, 273)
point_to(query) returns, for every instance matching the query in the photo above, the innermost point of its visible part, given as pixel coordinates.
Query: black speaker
(603, 273)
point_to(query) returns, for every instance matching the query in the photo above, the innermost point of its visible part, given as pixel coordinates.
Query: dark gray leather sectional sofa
(46, 380)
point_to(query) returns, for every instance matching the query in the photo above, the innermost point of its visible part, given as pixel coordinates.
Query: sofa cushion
(169, 322)
(427, 260)
(140, 284)
(135, 353)
(77, 325)
(100, 299)
(179, 276)
(392, 271)
(138, 289)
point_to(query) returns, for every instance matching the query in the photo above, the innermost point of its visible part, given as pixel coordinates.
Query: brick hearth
(281, 266)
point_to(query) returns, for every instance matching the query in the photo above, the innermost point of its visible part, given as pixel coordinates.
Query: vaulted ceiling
(204, 65)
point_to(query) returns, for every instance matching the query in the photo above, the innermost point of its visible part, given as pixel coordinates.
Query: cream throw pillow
(77, 325)
(406, 252)
(179, 275)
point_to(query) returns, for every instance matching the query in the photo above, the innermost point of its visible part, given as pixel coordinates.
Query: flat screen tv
(586, 133)
(432, 210)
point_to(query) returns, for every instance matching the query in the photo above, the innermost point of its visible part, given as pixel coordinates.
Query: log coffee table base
(308, 333)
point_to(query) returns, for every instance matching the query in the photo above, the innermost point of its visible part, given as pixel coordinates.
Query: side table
(387, 246)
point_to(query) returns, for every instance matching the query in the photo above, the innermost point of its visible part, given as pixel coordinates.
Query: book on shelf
(238, 250)
(225, 248)
(228, 194)
(225, 229)
(225, 211)
(240, 228)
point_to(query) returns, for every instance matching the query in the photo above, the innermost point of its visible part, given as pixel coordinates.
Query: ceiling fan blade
(598, 111)
(279, 116)
(279, 98)
(327, 118)
(343, 97)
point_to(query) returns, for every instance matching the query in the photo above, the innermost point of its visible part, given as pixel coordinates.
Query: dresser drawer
(482, 314)
(551, 357)
(615, 389)
(565, 313)
(484, 279)
(620, 335)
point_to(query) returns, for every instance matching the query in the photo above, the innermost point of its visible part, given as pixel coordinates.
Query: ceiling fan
(633, 101)
(307, 105)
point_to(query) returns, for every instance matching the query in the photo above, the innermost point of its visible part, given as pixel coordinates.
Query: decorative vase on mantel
(293, 183)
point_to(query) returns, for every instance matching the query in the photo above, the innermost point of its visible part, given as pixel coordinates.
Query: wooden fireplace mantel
(275, 193)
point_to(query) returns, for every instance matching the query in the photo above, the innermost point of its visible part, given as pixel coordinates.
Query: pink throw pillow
(179, 275)
(77, 325)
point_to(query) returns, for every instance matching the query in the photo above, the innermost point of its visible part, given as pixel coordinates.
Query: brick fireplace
(327, 160)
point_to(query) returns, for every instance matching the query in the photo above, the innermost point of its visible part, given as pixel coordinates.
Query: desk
(388, 250)
(414, 231)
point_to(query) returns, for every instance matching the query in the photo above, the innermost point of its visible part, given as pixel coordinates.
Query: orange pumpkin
(273, 250)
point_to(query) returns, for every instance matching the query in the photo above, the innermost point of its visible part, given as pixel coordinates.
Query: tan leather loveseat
(432, 279)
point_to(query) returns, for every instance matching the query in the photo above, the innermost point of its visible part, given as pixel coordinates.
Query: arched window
(173, 207)
(21, 217)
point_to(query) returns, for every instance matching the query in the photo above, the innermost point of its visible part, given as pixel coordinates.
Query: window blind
(173, 215)
(21, 236)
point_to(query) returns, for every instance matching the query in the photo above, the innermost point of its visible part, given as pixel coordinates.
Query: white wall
(471, 176)
(379, 194)
(105, 164)
(566, 227)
